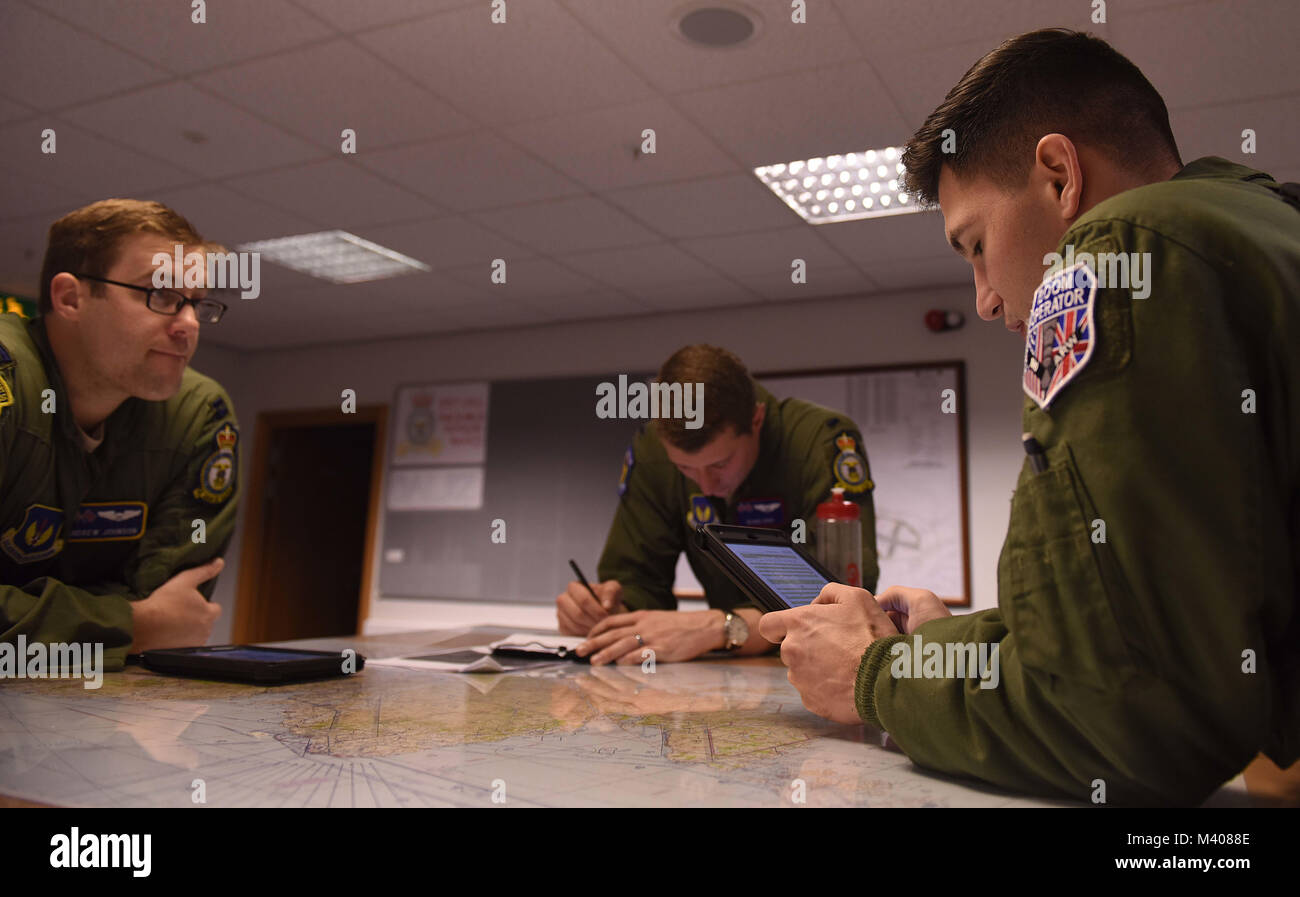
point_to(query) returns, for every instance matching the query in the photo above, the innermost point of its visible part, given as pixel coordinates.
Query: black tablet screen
(784, 571)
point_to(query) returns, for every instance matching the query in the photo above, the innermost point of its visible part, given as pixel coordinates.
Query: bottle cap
(837, 507)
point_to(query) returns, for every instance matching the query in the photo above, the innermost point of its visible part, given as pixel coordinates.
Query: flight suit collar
(116, 426)
(1220, 168)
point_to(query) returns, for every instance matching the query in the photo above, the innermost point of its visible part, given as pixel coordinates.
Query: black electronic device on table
(764, 564)
(251, 663)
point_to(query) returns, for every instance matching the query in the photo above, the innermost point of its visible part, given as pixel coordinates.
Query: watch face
(737, 630)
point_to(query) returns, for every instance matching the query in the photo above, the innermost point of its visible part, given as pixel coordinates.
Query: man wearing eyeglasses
(118, 463)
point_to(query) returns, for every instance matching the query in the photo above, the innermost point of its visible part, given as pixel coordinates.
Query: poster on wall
(442, 423)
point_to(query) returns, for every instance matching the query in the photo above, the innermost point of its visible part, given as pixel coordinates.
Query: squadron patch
(701, 511)
(1059, 336)
(37, 537)
(849, 467)
(629, 461)
(217, 476)
(108, 521)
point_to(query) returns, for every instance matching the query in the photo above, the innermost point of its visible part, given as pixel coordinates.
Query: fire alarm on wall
(939, 320)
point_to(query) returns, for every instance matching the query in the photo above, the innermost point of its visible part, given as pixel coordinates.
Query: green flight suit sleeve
(48, 610)
(821, 477)
(645, 539)
(1121, 649)
(169, 545)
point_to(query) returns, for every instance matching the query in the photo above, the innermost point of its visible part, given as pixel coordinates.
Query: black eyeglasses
(170, 302)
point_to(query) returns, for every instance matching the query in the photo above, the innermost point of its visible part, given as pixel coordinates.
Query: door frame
(249, 605)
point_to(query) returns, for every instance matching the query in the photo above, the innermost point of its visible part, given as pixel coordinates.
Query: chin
(157, 392)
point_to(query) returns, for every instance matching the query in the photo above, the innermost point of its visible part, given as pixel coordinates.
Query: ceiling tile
(599, 303)
(194, 130)
(26, 196)
(22, 249)
(601, 149)
(540, 62)
(705, 207)
(527, 280)
(349, 15)
(221, 214)
(84, 163)
(692, 295)
(831, 110)
(336, 194)
(1215, 52)
(477, 171)
(567, 225)
(638, 267)
(776, 286)
(445, 242)
(83, 67)
(903, 274)
(874, 240)
(11, 110)
(765, 252)
(161, 31)
(318, 91)
(645, 34)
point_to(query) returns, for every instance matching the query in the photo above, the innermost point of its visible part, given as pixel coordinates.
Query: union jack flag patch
(1060, 334)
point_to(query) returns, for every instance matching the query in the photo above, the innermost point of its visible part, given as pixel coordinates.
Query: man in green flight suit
(752, 461)
(1147, 637)
(117, 461)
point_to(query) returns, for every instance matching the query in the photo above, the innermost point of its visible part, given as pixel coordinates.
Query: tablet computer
(251, 663)
(764, 564)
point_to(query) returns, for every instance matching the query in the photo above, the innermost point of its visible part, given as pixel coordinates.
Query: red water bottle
(839, 538)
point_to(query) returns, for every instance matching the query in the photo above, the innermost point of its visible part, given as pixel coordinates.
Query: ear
(760, 412)
(1056, 167)
(65, 296)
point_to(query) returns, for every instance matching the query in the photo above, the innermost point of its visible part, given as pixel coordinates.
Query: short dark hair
(87, 240)
(1053, 81)
(729, 395)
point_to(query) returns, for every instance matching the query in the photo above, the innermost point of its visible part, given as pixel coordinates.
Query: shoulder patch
(219, 408)
(849, 467)
(217, 475)
(629, 461)
(1059, 336)
(701, 511)
(36, 537)
(6, 394)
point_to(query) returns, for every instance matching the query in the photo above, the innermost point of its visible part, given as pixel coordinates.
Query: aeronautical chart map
(707, 733)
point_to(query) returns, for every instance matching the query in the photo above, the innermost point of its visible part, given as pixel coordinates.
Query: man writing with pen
(755, 461)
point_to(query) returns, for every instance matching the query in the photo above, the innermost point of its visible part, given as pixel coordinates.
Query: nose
(184, 324)
(987, 302)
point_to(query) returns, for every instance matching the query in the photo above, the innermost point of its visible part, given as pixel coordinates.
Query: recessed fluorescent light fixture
(335, 255)
(843, 187)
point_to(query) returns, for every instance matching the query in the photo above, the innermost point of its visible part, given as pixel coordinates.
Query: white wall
(777, 336)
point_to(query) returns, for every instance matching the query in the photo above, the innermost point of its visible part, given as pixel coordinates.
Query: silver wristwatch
(736, 630)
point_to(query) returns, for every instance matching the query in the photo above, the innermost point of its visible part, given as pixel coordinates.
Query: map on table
(697, 734)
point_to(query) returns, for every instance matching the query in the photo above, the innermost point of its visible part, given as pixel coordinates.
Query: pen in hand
(582, 579)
